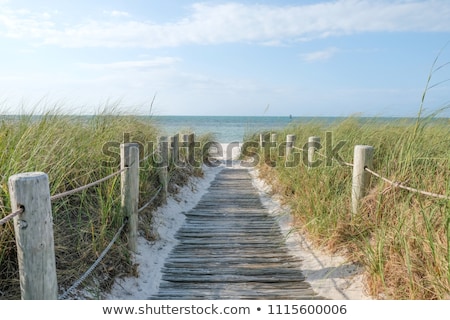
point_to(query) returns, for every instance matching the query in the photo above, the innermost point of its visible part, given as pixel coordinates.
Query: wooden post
(273, 144)
(265, 148)
(34, 235)
(129, 154)
(261, 142)
(313, 145)
(273, 138)
(164, 166)
(185, 147)
(169, 148)
(191, 149)
(290, 141)
(176, 149)
(363, 156)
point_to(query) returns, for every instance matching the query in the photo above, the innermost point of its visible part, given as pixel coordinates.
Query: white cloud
(137, 64)
(235, 22)
(320, 55)
(117, 14)
(25, 24)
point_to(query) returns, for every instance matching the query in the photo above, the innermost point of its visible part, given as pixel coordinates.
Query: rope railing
(64, 194)
(401, 186)
(104, 252)
(94, 265)
(150, 201)
(11, 216)
(363, 156)
(393, 183)
(348, 164)
(320, 154)
(87, 186)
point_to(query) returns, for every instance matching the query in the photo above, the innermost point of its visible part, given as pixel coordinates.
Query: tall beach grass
(73, 151)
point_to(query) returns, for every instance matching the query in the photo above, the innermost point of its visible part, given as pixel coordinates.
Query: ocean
(225, 129)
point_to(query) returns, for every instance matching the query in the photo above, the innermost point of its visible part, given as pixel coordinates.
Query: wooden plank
(231, 278)
(198, 255)
(245, 260)
(253, 286)
(234, 263)
(227, 234)
(251, 290)
(234, 270)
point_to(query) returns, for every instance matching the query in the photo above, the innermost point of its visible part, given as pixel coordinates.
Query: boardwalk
(230, 248)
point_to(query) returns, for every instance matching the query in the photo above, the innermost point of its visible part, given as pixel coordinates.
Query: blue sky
(273, 58)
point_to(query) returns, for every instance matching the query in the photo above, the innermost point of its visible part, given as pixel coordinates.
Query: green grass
(71, 150)
(400, 238)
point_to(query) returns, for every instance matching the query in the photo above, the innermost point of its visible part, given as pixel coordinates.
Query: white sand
(330, 276)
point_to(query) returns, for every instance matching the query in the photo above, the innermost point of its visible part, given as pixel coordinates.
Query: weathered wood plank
(228, 254)
(235, 264)
(250, 290)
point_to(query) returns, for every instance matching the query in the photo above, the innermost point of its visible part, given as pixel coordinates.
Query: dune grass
(74, 151)
(400, 238)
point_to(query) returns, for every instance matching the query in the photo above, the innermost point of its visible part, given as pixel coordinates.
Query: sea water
(225, 129)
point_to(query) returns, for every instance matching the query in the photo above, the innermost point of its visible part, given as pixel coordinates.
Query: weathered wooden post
(273, 138)
(185, 147)
(273, 144)
(164, 165)
(34, 235)
(176, 149)
(129, 155)
(191, 149)
(313, 145)
(363, 157)
(265, 146)
(261, 142)
(290, 141)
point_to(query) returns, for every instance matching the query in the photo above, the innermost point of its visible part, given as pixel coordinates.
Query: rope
(96, 263)
(399, 185)
(151, 200)
(70, 192)
(341, 162)
(395, 184)
(11, 216)
(320, 154)
(348, 164)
